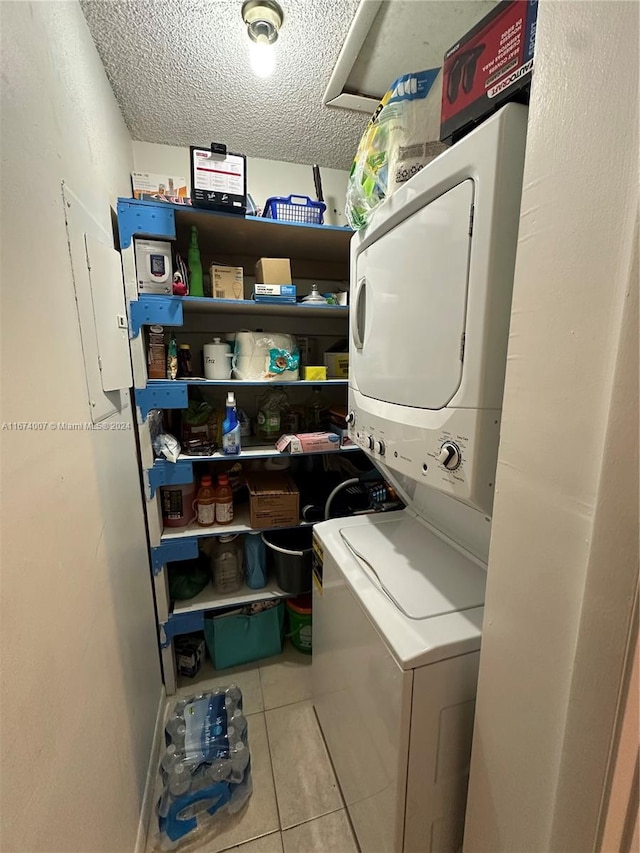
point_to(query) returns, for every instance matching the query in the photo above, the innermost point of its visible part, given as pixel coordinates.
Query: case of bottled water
(206, 766)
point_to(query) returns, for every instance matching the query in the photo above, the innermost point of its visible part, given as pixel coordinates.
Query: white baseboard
(146, 810)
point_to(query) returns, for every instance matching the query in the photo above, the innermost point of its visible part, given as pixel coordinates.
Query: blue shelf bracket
(165, 473)
(145, 219)
(181, 623)
(169, 552)
(151, 310)
(163, 395)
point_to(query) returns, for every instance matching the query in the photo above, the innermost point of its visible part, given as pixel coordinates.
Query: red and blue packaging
(488, 66)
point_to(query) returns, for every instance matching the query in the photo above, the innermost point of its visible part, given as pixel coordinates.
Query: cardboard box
(314, 374)
(336, 360)
(154, 269)
(156, 354)
(274, 500)
(189, 652)
(489, 65)
(273, 271)
(277, 294)
(226, 282)
(308, 442)
(149, 184)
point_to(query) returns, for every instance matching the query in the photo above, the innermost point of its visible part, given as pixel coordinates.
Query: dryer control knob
(379, 447)
(351, 418)
(449, 455)
(370, 442)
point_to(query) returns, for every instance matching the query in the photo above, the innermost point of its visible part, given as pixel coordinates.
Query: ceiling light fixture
(263, 19)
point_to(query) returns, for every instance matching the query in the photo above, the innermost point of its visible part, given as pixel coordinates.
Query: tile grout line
(273, 775)
(317, 817)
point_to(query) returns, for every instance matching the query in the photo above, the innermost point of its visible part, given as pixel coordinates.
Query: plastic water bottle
(239, 761)
(232, 699)
(169, 759)
(180, 780)
(177, 733)
(239, 724)
(220, 770)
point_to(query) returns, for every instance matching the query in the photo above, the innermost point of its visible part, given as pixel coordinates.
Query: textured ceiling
(180, 71)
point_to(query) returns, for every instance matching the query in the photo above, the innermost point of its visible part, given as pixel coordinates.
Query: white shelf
(207, 305)
(209, 599)
(231, 383)
(240, 524)
(263, 452)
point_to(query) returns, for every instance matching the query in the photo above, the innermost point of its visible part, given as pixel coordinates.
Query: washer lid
(423, 575)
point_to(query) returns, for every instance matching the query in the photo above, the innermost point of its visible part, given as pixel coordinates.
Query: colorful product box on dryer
(308, 442)
(276, 294)
(488, 66)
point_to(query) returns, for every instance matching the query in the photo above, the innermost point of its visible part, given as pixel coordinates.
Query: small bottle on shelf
(224, 501)
(184, 362)
(206, 503)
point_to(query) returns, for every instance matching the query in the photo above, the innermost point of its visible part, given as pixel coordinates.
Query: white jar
(217, 360)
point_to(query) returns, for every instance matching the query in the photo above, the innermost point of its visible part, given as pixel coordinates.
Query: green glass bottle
(195, 265)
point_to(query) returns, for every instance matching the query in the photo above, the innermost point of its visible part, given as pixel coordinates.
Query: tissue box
(308, 442)
(278, 294)
(226, 282)
(273, 271)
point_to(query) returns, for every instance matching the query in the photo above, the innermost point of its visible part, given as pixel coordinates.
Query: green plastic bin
(233, 640)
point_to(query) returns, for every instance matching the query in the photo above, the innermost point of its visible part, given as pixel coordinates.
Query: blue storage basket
(295, 208)
(233, 640)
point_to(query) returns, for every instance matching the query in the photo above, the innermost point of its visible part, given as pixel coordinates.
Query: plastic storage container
(295, 208)
(299, 616)
(236, 639)
(226, 564)
(291, 551)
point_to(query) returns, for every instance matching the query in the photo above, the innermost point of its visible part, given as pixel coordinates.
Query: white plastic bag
(266, 356)
(398, 142)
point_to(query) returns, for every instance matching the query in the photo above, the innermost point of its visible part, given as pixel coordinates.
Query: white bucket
(217, 360)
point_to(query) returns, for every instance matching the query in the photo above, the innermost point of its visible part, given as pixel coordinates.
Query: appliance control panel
(452, 450)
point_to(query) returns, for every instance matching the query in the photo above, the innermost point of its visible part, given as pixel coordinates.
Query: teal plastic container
(234, 640)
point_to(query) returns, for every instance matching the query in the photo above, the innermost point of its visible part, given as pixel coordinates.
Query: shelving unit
(319, 253)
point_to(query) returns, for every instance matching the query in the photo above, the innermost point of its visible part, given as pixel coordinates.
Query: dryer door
(409, 305)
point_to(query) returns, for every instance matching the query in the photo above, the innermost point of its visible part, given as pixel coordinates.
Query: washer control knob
(370, 442)
(449, 455)
(379, 447)
(351, 418)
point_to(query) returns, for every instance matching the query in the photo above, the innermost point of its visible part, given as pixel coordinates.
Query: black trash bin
(290, 552)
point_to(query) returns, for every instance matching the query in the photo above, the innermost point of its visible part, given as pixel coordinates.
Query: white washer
(396, 638)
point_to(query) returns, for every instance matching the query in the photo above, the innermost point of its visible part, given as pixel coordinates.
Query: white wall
(564, 550)
(265, 178)
(80, 671)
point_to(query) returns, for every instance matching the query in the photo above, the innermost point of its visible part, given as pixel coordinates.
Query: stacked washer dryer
(398, 599)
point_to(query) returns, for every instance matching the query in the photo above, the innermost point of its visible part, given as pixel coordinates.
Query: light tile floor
(296, 805)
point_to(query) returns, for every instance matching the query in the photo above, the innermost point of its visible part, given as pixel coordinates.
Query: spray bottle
(231, 428)
(195, 265)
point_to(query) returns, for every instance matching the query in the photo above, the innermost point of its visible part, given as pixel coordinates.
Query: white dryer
(398, 598)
